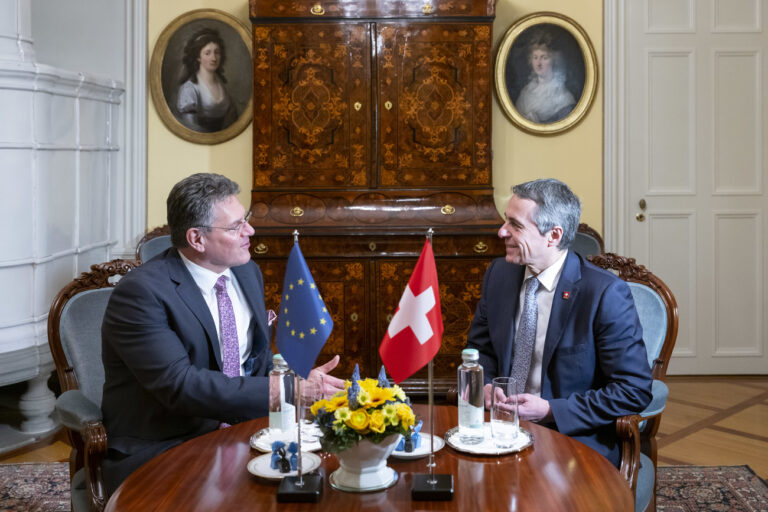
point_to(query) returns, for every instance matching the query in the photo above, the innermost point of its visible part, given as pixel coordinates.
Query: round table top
(209, 473)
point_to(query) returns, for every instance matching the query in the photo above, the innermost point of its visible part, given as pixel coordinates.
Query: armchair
(588, 241)
(74, 336)
(657, 308)
(153, 243)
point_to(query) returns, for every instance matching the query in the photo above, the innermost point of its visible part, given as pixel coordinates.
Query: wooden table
(209, 473)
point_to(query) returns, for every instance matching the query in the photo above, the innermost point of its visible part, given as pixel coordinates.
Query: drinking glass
(504, 420)
(311, 392)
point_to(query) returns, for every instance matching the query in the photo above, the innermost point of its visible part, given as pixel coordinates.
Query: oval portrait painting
(200, 76)
(545, 73)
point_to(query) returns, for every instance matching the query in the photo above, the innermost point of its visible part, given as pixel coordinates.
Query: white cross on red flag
(414, 334)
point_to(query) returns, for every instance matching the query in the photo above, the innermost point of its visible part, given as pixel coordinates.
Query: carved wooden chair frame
(88, 447)
(635, 441)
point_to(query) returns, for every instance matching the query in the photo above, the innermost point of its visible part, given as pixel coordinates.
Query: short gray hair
(556, 205)
(191, 201)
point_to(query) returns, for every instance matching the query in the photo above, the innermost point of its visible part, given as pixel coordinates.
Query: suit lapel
(561, 307)
(190, 294)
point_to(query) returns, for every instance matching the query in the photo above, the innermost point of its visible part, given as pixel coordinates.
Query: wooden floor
(709, 421)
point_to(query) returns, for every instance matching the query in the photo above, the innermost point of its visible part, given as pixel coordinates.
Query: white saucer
(422, 450)
(261, 466)
(262, 441)
(488, 447)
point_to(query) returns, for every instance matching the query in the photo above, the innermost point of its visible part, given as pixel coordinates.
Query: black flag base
(432, 487)
(309, 492)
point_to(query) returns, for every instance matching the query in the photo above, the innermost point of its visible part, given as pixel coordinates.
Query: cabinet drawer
(355, 9)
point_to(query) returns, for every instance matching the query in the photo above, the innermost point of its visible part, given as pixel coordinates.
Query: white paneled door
(695, 200)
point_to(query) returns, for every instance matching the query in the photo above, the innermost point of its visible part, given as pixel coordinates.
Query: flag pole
(298, 488)
(430, 370)
(299, 479)
(432, 487)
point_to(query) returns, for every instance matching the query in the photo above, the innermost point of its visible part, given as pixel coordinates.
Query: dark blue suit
(594, 366)
(162, 363)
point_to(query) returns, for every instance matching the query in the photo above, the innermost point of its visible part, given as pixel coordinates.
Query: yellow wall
(574, 157)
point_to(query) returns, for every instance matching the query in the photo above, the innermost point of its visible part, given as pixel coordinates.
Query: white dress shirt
(206, 281)
(548, 279)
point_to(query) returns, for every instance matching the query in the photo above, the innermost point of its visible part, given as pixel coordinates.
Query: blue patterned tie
(526, 335)
(230, 348)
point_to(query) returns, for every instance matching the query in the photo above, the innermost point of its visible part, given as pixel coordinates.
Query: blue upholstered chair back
(153, 247)
(586, 244)
(80, 332)
(653, 318)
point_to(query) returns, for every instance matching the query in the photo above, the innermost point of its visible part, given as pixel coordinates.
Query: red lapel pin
(566, 295)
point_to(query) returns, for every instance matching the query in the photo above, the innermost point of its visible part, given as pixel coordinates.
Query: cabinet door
(460, 283)
(312, 105)
(434, 104)
(343, 285)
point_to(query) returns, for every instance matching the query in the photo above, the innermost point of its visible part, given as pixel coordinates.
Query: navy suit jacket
(163, 382)
(594, 366)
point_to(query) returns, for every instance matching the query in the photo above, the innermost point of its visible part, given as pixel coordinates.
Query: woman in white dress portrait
(545, 98)
(203, 102)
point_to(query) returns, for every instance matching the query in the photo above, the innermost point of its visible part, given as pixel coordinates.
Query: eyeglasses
(235, 230)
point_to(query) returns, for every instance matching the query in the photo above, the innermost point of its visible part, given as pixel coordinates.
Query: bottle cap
(278, 359)
(470, 353)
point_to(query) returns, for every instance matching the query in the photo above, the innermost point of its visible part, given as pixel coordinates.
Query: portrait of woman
(545, 98)
(203, 103)
(545, 73)
(200, 76)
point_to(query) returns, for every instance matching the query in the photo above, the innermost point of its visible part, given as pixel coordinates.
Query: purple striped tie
(230, 348)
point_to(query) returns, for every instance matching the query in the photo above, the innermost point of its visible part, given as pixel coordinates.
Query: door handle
(640, 217)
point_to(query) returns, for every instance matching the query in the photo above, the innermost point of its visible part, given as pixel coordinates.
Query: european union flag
(303, 322)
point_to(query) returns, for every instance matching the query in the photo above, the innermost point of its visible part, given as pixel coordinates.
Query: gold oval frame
(590, 73)
(156, 84)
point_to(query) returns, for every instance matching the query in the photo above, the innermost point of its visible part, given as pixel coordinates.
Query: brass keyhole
(388, 105)
(641, 204)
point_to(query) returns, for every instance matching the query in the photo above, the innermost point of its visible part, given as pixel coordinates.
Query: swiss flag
(413, 336)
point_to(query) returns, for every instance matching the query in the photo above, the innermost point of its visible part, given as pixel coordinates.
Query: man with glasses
(185, 335)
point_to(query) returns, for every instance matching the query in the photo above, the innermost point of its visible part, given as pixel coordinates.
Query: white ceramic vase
(363, 467)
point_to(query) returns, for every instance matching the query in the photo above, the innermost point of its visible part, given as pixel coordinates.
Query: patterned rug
(710, 488)
(44, 487)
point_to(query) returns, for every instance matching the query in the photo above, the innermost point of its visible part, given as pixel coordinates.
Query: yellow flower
(358, 420)
(364, 398)
(398, 392)
(407, 418)
(390, 413)
(368, 384)
(317, 406)
(379, 396)
(376, 422)
(336, 401)
(341, 414)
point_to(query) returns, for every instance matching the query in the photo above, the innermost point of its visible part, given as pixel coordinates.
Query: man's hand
(328, 383)
(500, 397)
(533, 408)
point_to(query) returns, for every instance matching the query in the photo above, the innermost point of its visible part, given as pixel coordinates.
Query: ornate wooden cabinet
(372, 123)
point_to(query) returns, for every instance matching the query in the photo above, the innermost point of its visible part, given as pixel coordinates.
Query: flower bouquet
(362, 425)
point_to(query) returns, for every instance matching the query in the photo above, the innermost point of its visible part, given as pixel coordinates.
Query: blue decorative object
(356, 373)
(278, 455)
(410, 441)
(293, 449)
(383, 382)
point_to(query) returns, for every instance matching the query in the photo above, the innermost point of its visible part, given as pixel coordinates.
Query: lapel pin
(566, 295)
